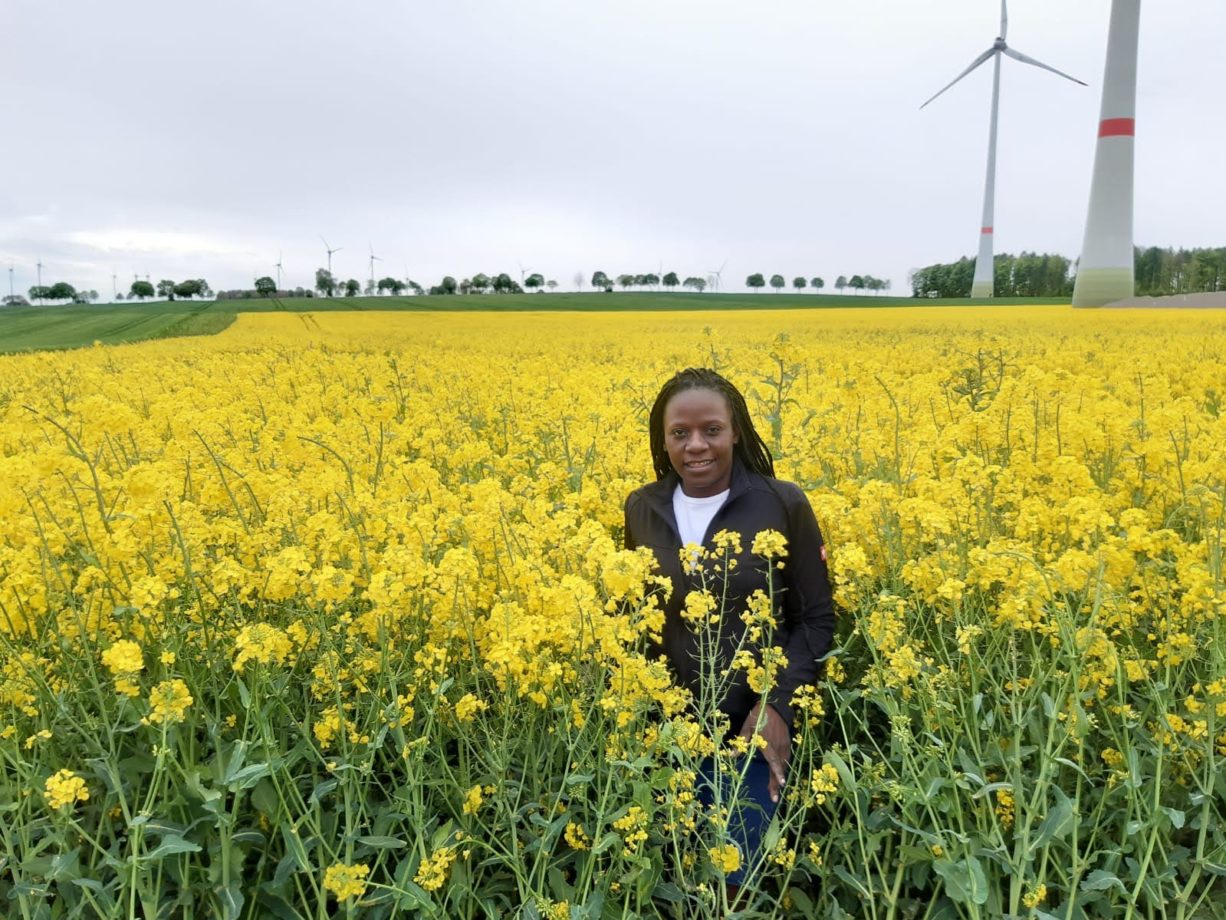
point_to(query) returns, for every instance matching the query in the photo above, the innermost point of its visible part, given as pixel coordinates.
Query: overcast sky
(457, 136)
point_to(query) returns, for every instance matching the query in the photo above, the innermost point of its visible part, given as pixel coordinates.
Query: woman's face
(699, 436)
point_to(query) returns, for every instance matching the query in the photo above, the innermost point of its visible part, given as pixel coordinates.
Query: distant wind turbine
(373, 259)
(330, 250)
(278, 268)
(716, 275)
(983, 285)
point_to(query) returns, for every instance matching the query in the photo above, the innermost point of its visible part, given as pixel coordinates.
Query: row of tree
(857, 283)
(1162, 272)
(1028, 275)
(60, 291)
(1159, 273)
(192, 287)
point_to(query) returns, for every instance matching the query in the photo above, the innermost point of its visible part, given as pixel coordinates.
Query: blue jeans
(749, 815)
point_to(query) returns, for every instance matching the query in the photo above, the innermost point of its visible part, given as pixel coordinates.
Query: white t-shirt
(694, 514)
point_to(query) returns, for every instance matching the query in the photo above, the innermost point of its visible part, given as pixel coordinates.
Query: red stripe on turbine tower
(985, 229)
(1117, 127)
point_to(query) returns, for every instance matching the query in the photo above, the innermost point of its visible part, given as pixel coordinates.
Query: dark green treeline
(1159, 272)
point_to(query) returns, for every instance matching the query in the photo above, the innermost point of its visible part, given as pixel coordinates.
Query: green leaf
(845, 776)
(1073, 765)
(170, 846)
(1101, 880)
(65, 866)
(383, 843)
(610, 839)
(851, 880)
(295, 850)
(413, 897)
(231, 898)
(989, 789)
(1177, 817)
(964, 880)
(321, 790)
(667, 891)
(247, 777)
(1059, 822)
(264, 798)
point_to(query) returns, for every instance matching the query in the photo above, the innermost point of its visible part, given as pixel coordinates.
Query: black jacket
(804, 613)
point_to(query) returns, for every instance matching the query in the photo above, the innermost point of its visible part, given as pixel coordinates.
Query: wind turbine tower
(329, 250)
(278, 268)
(1107, 271)
(373, 259)
(984, 282)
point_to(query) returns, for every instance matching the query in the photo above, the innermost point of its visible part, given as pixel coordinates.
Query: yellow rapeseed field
(328, 615)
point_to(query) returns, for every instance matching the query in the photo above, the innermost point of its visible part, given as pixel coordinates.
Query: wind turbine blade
(326, 246)
(1004, 20)
(975, 63)
(1018, 56)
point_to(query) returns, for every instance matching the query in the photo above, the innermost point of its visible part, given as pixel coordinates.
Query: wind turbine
(717, 275)
(1106, 271)
(983, 285)
(278, 268)
(373, 259)
(330, 250)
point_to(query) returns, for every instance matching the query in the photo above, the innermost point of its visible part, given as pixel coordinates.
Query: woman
(714, 473)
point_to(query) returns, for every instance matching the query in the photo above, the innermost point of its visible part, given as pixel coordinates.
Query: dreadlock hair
(749, 449)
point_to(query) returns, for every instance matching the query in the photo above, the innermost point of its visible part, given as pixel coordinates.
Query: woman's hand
(778, 750)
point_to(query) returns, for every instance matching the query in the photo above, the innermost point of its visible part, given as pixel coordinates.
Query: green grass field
(74, 326)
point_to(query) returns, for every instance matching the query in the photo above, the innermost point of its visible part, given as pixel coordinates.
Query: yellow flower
(725, 858)
(346, 881)
(123, 658)
(825, 780)
(770, 544)
(168, 702)
(467, 707)
(261, 643)
(576, 837)
(65, 788)
(434, 869)
(472, 800)
(700, 607)
(1004, 807)
(633, 828)
(1035, 896)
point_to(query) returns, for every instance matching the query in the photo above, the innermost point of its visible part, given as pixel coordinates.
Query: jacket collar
(660, 493)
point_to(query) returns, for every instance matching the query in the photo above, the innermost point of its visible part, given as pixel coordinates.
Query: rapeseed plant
(360, 577)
